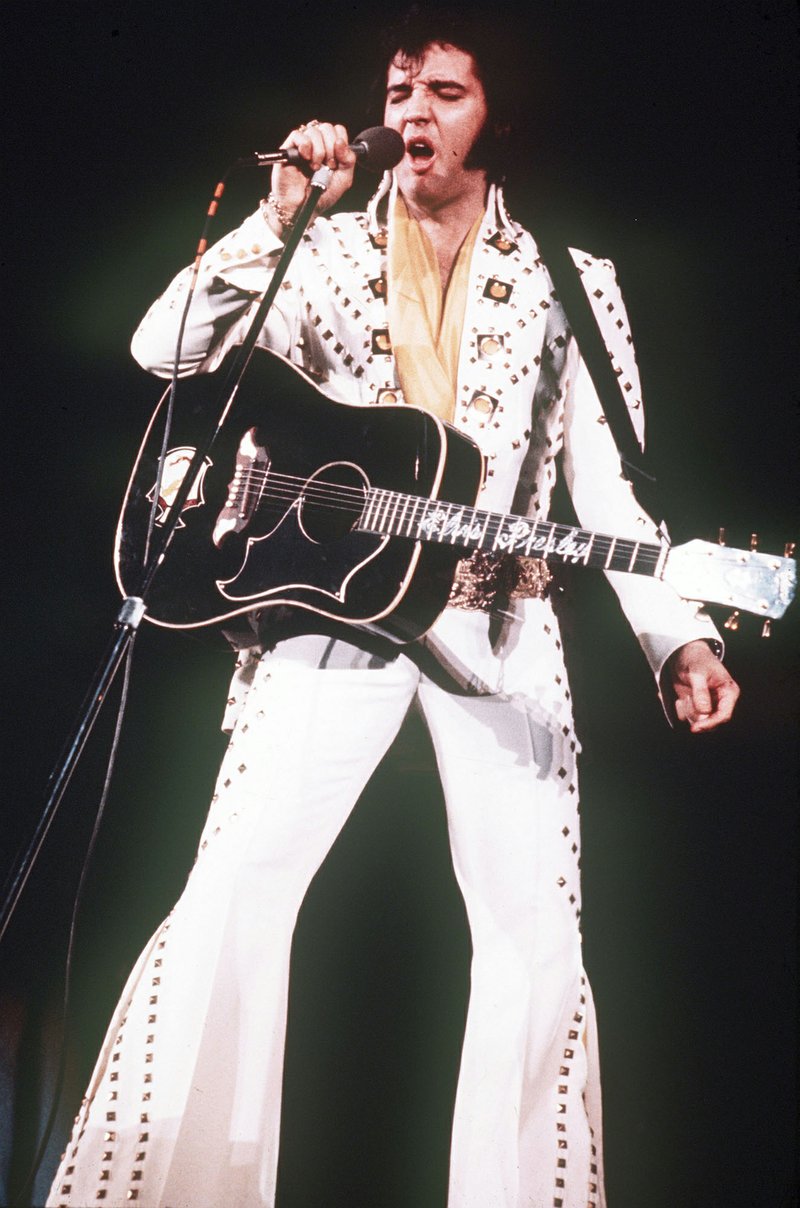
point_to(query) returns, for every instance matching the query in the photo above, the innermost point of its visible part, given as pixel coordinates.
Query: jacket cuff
(658, 649)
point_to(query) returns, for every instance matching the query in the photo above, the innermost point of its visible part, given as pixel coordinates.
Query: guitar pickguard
(312, 548)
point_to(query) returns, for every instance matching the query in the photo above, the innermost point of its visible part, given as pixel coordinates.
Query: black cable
(27, 1186)
(173, 385)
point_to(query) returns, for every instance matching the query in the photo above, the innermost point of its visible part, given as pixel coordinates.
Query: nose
(418, 107)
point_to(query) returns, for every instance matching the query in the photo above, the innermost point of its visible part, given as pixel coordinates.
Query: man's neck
(450, 214)
(447, 224)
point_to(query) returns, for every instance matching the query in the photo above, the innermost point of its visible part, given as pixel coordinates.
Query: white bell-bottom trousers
(183, 1110)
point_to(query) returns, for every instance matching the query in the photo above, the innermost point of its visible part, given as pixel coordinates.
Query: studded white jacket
(524, 394)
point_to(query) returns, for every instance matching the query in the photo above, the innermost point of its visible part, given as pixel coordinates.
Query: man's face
(438, 105)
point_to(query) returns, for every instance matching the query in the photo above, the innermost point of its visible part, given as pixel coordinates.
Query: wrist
(279, 217)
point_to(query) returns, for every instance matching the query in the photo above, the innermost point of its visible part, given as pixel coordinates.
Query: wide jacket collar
(496, 224)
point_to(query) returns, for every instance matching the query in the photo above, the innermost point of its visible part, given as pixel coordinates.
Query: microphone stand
(133, 608)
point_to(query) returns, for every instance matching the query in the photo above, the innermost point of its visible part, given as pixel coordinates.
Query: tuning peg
(789, 548)
(754, 540)
(732, 621)
(767, 628)
(721, 537)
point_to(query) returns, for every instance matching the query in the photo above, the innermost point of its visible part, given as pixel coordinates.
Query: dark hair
(483, 34)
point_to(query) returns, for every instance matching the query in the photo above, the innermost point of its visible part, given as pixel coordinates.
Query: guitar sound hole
(332, 502)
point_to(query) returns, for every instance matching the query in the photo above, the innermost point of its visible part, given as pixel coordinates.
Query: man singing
(435, 298)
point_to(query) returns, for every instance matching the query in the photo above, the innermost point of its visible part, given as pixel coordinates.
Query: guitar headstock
(744, 580)
(732, 623)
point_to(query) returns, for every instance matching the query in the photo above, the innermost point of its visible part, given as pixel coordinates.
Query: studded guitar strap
(581, 319)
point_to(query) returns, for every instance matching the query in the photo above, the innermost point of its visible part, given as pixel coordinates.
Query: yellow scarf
(424, 327)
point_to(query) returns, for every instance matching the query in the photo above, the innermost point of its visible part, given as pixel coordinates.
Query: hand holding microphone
(313, 145)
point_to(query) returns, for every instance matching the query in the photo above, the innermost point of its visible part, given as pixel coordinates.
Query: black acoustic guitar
(360, 513)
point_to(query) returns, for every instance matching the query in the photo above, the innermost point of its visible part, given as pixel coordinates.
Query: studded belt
(482, 578)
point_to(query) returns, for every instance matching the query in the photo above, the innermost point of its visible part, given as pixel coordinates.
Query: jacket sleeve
(602, 496)
(232, 278)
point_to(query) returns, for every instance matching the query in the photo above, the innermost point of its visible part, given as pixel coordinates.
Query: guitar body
(259, 528)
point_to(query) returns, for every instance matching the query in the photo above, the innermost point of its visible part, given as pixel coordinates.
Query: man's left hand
(703, 692)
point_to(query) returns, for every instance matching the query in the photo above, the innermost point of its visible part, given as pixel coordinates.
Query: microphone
(378, 149)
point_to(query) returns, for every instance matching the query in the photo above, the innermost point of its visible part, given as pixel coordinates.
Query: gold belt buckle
(481, 578)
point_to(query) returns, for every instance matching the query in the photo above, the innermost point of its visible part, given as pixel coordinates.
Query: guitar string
(353, 499)
(334, 495)
(646, 555)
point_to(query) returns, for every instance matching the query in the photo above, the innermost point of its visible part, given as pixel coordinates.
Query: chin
(412, 185)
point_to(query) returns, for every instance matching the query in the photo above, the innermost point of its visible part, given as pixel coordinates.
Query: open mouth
(420, 149)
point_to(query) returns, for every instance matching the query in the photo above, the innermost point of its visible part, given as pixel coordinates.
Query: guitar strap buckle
(483, 579)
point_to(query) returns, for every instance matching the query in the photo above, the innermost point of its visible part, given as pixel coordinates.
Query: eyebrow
(432, 83)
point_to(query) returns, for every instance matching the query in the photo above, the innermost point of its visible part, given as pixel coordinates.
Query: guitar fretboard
(396, 514)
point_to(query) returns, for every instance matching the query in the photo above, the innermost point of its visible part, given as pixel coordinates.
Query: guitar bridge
(245, 489)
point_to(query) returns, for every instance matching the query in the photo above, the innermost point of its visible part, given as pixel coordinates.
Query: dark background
(664, 137)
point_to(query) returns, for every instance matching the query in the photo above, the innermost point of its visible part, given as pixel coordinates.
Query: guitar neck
(395, 514)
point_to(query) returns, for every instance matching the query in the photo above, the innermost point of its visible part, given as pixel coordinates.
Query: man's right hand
(319, 143)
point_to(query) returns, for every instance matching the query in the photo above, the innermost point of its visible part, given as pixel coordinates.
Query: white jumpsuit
(183, 1110)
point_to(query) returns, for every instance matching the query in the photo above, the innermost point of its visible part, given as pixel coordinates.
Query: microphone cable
(58, 1086)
